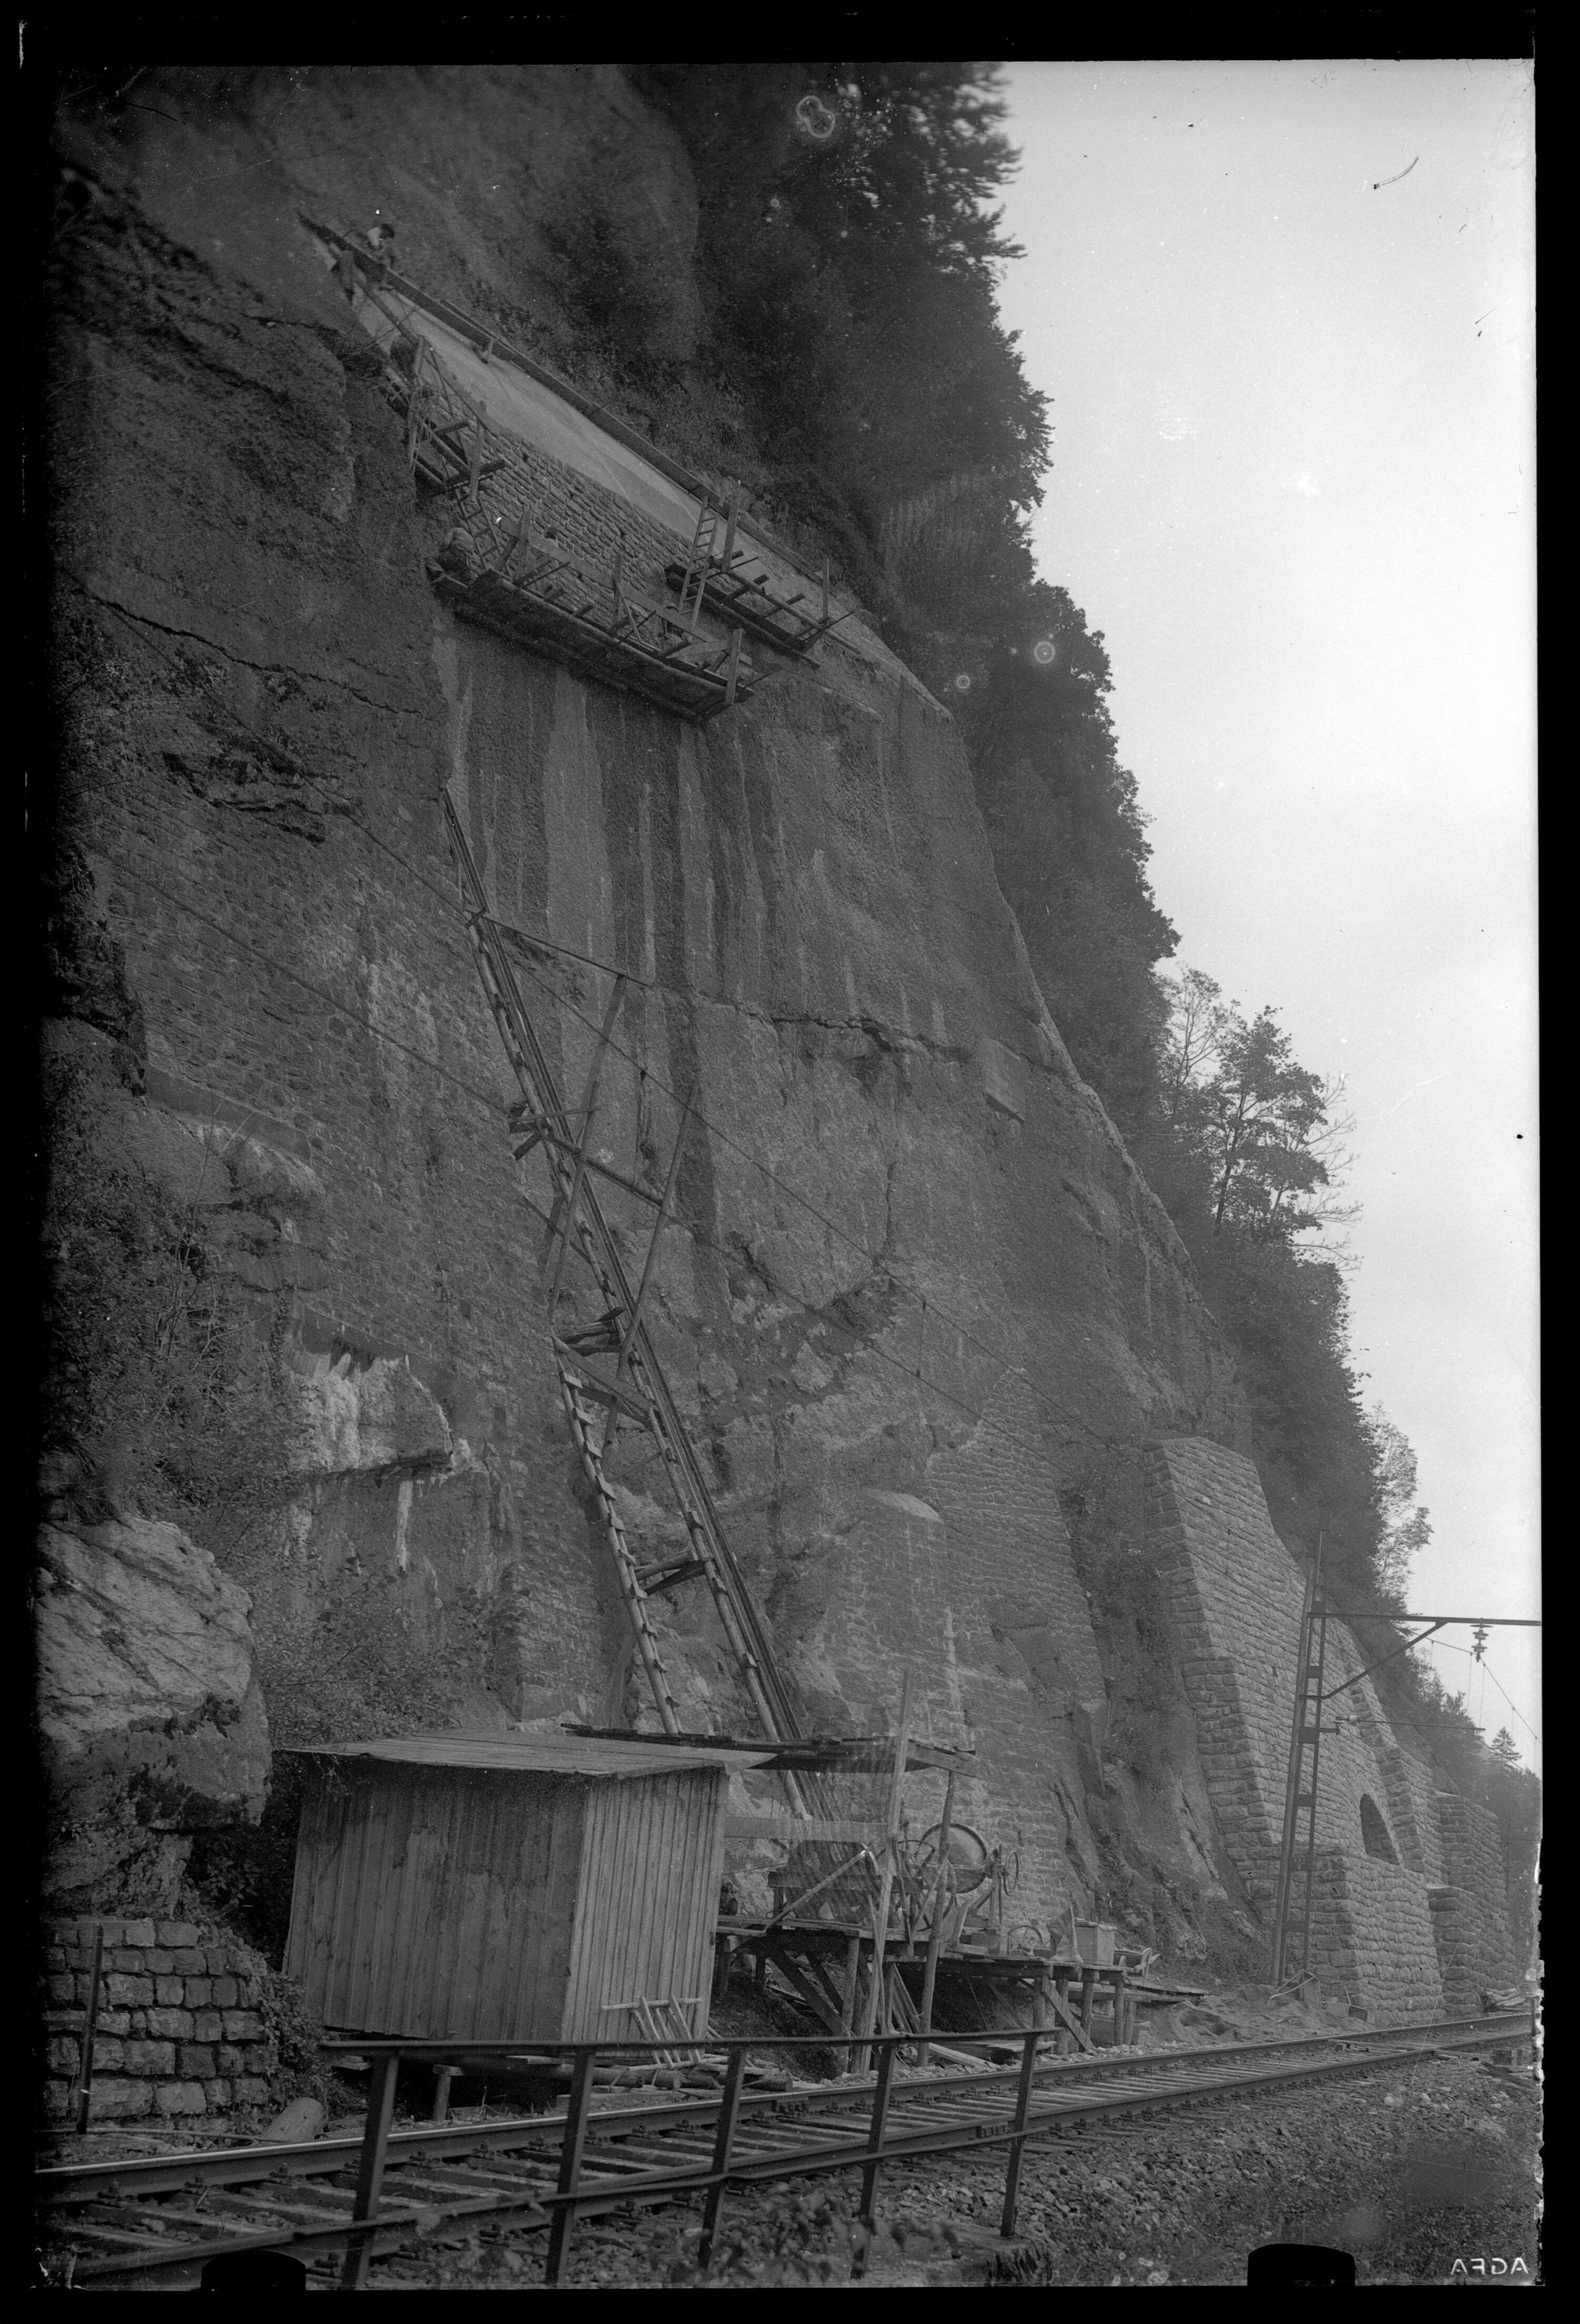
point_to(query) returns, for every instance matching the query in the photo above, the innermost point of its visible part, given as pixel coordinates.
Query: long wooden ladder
(700, 559)
(638, 1389)
(1298, 1861)
(585, 1433)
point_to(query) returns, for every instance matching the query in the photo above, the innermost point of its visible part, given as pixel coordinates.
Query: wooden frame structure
(637, 1388)
(552, 609)
(835, 1968)
(446, 429)
(710, 571)
(602, 631)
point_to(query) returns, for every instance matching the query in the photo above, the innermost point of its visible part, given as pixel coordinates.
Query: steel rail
(802, 2130)
(240, 2164)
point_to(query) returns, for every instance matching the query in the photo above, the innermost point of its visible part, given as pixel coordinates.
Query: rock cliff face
(924, 1295)
(154, 1721)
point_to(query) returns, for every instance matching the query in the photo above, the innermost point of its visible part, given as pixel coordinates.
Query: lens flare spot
(963, 683)
(816, 120)
(1045, 651)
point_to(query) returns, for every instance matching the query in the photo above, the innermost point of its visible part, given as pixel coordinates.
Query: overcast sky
(1294, 417)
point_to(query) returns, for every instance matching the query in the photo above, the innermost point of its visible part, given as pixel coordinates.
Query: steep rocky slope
(926, 1305)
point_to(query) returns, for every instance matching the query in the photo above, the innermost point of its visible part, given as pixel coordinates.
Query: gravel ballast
(1411, 2169)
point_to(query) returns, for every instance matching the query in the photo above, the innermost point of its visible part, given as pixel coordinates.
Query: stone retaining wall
(180, 2030)
(1415, 1779)
(1385, 1925)
(1237, 1595)
(1470, 1918)
(1372, 1934)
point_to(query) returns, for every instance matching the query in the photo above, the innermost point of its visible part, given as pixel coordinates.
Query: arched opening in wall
(1374, 1831)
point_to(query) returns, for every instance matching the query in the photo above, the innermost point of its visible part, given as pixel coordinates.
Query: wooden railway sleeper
(908, 2126)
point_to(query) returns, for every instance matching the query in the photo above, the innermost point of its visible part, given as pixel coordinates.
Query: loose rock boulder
(151, 1715)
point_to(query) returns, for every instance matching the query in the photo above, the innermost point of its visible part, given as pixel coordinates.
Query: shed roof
(558, 1755)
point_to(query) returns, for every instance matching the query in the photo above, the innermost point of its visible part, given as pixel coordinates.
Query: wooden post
(476, 462)
(370, 2176)
(936, 1932)
(1040, 2001)
(729, 2108)
(1119, 2008)
(730, 529)
(886, 1884)
(1061, 1991)
(1018, 2144)
(1069, 2025)
(571, 2152)
(1088, 1995)
(733, 670)
(852, 1969)
(443, 2076)
(874, 2150)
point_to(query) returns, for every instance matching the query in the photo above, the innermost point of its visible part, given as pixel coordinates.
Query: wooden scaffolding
(721, 572)
(552, 608)
(497, 575)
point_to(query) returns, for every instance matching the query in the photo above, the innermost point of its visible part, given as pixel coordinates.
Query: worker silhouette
(1274, 2266)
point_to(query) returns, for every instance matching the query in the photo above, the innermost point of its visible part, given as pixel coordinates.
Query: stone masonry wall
(1238, 1596)
(179, 2031)
(1470, 1915)
(1372, 1933)
(1415, 1780)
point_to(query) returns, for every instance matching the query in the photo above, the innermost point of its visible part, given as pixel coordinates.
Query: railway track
(338, 2204)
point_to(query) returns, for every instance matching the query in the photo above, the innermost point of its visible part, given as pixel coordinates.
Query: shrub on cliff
(848, 262)
(1070, 845)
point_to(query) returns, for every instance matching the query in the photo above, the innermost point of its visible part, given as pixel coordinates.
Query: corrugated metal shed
(507, 1888)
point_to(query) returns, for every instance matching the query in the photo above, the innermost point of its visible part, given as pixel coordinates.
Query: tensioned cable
(1509, 1699)
(680, 992)
(1447, 1647)
(492, 1102)
(687, 992)
(651, 984)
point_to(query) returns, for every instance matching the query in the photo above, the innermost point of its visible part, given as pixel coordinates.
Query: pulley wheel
(970, 1856)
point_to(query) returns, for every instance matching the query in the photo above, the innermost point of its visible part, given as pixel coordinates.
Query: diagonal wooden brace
(634, 1322)
(588, 1110)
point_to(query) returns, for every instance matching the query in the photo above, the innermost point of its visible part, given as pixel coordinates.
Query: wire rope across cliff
(927, 1303)
(492, 1102)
